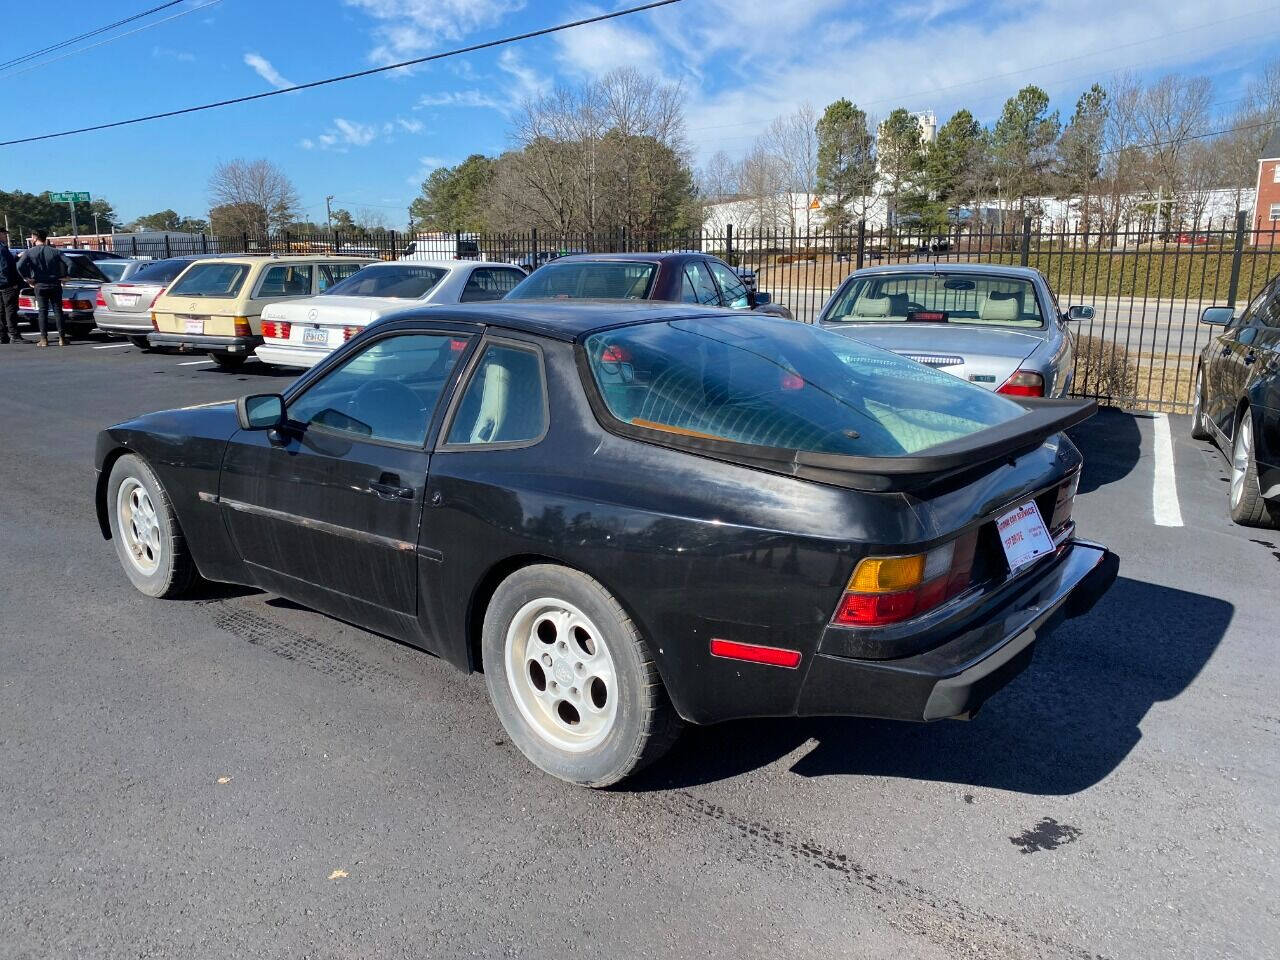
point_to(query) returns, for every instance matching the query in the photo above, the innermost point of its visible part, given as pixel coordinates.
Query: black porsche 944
(631, 516)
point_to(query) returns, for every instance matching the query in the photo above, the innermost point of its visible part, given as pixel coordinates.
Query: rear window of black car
(770, 382)
(211, 278)
(161, 271)
(588, 279)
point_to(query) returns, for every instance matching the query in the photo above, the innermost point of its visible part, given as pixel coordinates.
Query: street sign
(69, 197)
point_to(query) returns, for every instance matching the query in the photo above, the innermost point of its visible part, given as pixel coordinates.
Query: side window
(331, 273)
(504, 402)
(489, 283)
(1250, 313)
(1269, 313)
(735, 291)
(286, 280)
(385, 392)
(696, 285)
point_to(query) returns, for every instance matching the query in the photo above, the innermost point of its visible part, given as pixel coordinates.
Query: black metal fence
(1147, 286)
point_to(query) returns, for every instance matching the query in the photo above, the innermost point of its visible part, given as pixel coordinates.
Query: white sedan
(301, 333)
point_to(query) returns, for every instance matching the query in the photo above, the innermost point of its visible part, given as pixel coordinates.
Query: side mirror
(1080, 313)
(762, 298)
(261, 411)
(1218, 316)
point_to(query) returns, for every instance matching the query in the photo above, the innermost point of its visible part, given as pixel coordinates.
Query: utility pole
(328, 212)
(75, 230)
(95, 223)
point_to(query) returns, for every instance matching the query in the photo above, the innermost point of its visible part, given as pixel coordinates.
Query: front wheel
(1248, 508)
(228, 361)
(571, 678)
(145, 531)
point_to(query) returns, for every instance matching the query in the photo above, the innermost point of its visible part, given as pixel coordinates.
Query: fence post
(1026, 241)
(862, 243)
(204, 243)
(728, 244)
(244, 241)
(533, 242)
(133, 242)
(1233, 286)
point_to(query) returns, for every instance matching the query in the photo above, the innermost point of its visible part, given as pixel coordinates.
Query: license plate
(127, 299)
(193, 324)
(1023, 535)
(315, 335)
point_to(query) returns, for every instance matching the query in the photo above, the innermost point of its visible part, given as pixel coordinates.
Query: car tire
(549, 629)
(142, 343)
(145, 530)
(1248, 508)
(228, 361)
(1199, 425)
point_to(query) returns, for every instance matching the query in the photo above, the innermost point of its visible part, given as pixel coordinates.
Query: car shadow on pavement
(1064, 724)
(1111, 445)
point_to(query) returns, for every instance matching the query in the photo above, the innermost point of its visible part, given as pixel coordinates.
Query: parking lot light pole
(328, 212)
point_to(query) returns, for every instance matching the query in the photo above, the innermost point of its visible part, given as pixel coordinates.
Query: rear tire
(571, 678)
(145, 531)
(1199, 426)
(228, 361)
(142, 343)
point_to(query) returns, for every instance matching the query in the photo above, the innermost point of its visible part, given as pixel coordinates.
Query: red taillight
(615, 354)
(26, 303)
(98, 301)
(755, 653)
(892, 589)
(457, 346)
(159, 294)
(927, 316)
(1024, 383)
(276, 329)
(349, 332)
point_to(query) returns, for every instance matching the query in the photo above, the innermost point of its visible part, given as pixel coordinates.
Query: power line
(119, 36)
(1187, 139)
(86, 36)
(350, 76)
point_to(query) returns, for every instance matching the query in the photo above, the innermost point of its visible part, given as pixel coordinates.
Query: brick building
(1266, 210)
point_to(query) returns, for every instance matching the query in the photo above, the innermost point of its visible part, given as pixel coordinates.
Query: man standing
(44, 267)
(10, 284)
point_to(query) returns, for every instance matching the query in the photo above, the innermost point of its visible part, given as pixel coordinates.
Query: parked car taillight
(26, 303)
(1024, 383)
(159, 294)
(891, 589)
(241, 327)
(276, 329)
(98, 301)
(349, 332)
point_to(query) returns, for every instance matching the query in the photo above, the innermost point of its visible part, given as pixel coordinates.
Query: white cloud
(409, 28)
(601, 47)
(529, 83)
(355, 134)
(263, 68)
(461, 98)
(409, 125)
(345, 134)
(425, 166)
(165, 53)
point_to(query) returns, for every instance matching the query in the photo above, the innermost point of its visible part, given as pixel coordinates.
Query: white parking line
(194, 363)
(113, 346)
(1164, 490)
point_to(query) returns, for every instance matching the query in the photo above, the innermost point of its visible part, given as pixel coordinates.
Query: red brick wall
(1268, 193)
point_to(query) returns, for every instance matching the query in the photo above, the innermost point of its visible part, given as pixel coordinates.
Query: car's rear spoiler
(1005, 441)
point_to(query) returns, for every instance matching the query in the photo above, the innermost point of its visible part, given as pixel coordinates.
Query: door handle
(1250, 357)
(1226, 351)
(388, 487)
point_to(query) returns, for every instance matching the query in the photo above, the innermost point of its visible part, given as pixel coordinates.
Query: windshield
(598, 279)
(775, 383)
(403, 282)
(211, 278)
(82, 268)
(937, 298)
(161, 271)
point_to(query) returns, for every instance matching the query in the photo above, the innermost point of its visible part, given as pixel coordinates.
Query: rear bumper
(956, 678)
(130, 324)
(290, 356)
(206, 342)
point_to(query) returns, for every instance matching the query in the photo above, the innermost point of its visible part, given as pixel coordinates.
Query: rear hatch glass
(768, 382)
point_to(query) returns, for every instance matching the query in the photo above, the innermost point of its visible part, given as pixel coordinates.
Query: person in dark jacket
(10, 284)
(44, 267)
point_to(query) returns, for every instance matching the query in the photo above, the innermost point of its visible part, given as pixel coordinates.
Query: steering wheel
(390, 408)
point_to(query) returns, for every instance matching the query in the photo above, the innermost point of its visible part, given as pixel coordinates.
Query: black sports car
(1237, 403)
(629, 514)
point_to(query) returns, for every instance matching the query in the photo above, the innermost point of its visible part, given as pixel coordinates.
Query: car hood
(342, 311)
(984, 355)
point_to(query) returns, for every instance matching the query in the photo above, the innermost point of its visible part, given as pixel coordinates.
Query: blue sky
(370, 142)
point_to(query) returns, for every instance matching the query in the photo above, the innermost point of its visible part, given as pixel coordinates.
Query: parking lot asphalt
(236, 776)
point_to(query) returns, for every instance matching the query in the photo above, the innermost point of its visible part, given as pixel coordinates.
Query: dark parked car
(79, 292)
(682, 277)
(1237, 403)
(629, 514)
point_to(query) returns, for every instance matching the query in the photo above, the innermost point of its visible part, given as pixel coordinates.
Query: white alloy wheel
(139, 526)
(561, 674)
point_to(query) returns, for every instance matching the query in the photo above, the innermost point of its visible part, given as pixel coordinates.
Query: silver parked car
(123, 308)
(995, 326)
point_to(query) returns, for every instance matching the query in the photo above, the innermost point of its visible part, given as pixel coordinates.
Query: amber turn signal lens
(242, 327)
(887, 574)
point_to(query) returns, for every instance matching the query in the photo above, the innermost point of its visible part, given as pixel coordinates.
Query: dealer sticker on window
(1023, 535)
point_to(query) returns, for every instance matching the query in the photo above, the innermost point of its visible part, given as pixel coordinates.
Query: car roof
(563, 319)
(256, 258)
(983, 269)
(449, 263)
(631, 257)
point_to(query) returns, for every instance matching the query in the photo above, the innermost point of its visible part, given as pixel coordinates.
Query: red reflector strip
(755, 653)
(928, 315)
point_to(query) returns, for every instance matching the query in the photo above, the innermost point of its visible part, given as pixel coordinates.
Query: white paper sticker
(1024, 535)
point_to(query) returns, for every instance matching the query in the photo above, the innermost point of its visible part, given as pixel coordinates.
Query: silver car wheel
(1241, 455)
(139, 526)
(561, 674)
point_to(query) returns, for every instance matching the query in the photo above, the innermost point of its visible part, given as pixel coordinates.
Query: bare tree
(764, 182)
(1170, 112)
(254, 196)
(719, 184)
(1201, 173)
(792, 140)
(1123, 162)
